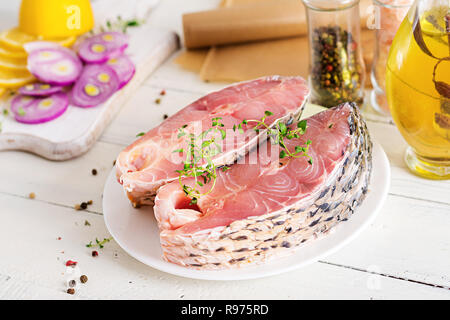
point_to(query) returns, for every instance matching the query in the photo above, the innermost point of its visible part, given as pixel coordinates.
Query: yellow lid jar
(56, 18)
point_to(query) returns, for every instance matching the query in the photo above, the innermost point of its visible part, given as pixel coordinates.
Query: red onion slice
(101, 47)
(38, 45)
(39, 90)
(31, 110)
(54, 65)
(124, 68)
(96, 84)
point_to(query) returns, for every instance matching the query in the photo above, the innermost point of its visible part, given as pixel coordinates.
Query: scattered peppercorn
(32, 195)
(72, 283)
(71, 291)
(77, 207)
(83, 205)
(59, 238)
(114, 163)
(83, 278)
(94, 172)
(165, 116)
(90, 202)
(163, 92)
(158, 101)
(94, 253)
(86, 223)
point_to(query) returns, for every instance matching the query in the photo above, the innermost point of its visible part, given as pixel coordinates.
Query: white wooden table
(405, 253)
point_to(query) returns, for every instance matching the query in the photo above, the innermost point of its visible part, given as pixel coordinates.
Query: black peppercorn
(83, 278)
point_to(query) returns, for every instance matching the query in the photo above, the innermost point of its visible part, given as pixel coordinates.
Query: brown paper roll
(244, 23)
(289, 56)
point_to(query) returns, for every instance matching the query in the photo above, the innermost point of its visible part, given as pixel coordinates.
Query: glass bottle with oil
(418, 87)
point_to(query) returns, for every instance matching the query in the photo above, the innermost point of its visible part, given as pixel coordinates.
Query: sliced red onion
(96, 84)
(39, 90)
(124, 68)
(54, 64)
(38, 45)
(32, 110)
(102, 47)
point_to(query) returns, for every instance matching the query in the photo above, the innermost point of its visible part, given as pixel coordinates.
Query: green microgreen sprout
(98, 243)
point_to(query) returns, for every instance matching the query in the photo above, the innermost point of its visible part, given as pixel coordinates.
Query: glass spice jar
(337, 71)
(389, 15)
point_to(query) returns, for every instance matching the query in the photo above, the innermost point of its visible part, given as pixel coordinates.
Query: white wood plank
(33, 267)
(388, 244)
(403, 181)
(172, 76)
(409, 239)
(66, 183)
(168, 12)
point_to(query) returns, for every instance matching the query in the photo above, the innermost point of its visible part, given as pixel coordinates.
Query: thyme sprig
(198, 162)
(202, 148)
(279, 133)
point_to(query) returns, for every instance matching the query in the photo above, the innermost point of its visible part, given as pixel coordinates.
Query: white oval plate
(136, 231)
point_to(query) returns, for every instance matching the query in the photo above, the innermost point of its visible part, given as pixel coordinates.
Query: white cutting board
(77, 129)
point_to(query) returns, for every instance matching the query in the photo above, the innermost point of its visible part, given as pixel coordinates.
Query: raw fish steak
(150, 162)
(268, 208)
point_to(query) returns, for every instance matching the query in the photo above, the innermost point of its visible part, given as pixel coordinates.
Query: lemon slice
(15, 39)
(14, 79)
(13, 63)
(8, 53)
(66, 42)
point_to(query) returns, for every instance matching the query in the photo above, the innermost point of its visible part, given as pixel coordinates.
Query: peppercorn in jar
(337, 71)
